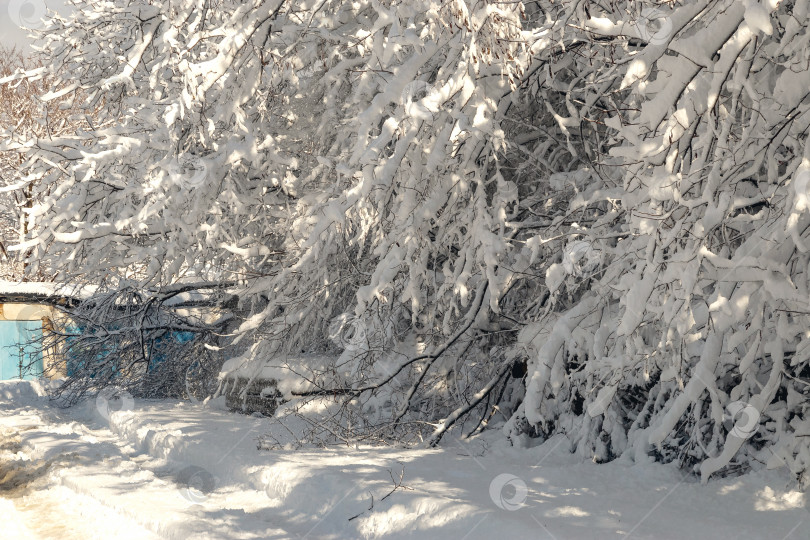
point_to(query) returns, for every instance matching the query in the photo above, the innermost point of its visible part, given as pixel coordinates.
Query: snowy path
(72, 474)
(33, 506)
(60, 513)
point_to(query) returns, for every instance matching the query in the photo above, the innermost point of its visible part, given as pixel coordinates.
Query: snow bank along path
(165, 469)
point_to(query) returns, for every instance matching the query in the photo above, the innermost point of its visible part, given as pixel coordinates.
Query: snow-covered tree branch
(559, 217)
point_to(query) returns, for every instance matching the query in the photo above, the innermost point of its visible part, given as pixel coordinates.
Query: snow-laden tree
(588, 218)
(23, 120)
(690, 342)
(296, 119)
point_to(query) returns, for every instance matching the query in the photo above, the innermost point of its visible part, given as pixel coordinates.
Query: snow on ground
(167, 469)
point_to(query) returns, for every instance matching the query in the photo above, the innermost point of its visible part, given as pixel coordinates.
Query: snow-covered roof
(51, 292)
(33, 291)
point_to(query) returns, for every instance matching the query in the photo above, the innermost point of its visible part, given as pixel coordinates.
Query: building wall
(24, 312)
(34, 312)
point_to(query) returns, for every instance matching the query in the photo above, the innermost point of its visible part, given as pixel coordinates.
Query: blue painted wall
(13, 335)
(157, 354)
